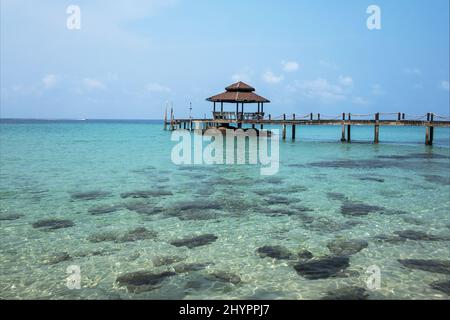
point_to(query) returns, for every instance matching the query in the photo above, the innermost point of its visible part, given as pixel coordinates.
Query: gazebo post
(237, 114)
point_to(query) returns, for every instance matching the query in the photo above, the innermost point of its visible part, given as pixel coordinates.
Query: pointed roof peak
(240, 86)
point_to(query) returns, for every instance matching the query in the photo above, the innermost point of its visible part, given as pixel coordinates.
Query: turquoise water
(325, 190)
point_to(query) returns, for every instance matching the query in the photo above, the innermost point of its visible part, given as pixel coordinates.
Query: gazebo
(239, 94)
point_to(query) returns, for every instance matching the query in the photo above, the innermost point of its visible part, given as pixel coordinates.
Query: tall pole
(190, 115)
(165, 119)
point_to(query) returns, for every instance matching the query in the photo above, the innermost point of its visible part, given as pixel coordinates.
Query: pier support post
(429, 135)
(343, 128)
(377, 128)
(165, 119)
(349, 139)
(284, 132)
(293, 127)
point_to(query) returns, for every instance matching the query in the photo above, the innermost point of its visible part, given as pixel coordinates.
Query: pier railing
(346, 120)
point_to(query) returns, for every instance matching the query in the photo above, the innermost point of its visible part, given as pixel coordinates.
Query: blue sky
(132, 56)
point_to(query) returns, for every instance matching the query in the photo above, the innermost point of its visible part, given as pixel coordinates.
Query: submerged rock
(137, 234)
(104, 209)
(442, 180)
(142, 281)
(342, 247)
(273, 180)
(356, 209)
(164, 261)
(371, 179)
(420, 236)
(103, 236)
(325, 224)
(443, 286)
(57, 258)
(90, 195)
(146, 194)
(336, 196)
(201, 209)
(200, 204)
(435, 266)
(196, 241)
(143, 208)
(272, 199)
(275, 252)
(10, 216)
(322, 268)
(347, 293)
(305, 254)
(191, 267)
(52, 224)
(224, 276)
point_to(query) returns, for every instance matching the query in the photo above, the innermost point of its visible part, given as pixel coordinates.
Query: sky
(132, 58)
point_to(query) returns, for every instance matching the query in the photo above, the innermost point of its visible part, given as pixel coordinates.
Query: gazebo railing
(238, 116)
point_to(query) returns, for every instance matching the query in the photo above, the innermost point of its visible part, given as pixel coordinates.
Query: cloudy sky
(132, 56)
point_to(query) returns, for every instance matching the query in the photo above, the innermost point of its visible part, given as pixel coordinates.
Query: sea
(99, 210)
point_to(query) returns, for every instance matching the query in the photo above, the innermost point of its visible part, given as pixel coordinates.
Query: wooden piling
(343, 128)
(349, 128)
(429, 133)
(293, 127)
(377, 128)
(165, 119)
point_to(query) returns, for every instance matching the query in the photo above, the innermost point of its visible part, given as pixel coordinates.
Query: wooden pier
(240, 93)
(346, 121)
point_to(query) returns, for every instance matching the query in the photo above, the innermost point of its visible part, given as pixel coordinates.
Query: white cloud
(93, 84)
(345, 81)
(49, 81)
(271, 78)
(327, 92)
(412, 71)
(290, 66)
(156, 87)
(445, 85)
(319, 89)
(377, 90)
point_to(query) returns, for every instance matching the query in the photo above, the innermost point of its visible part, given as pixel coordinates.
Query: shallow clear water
(43, 165)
